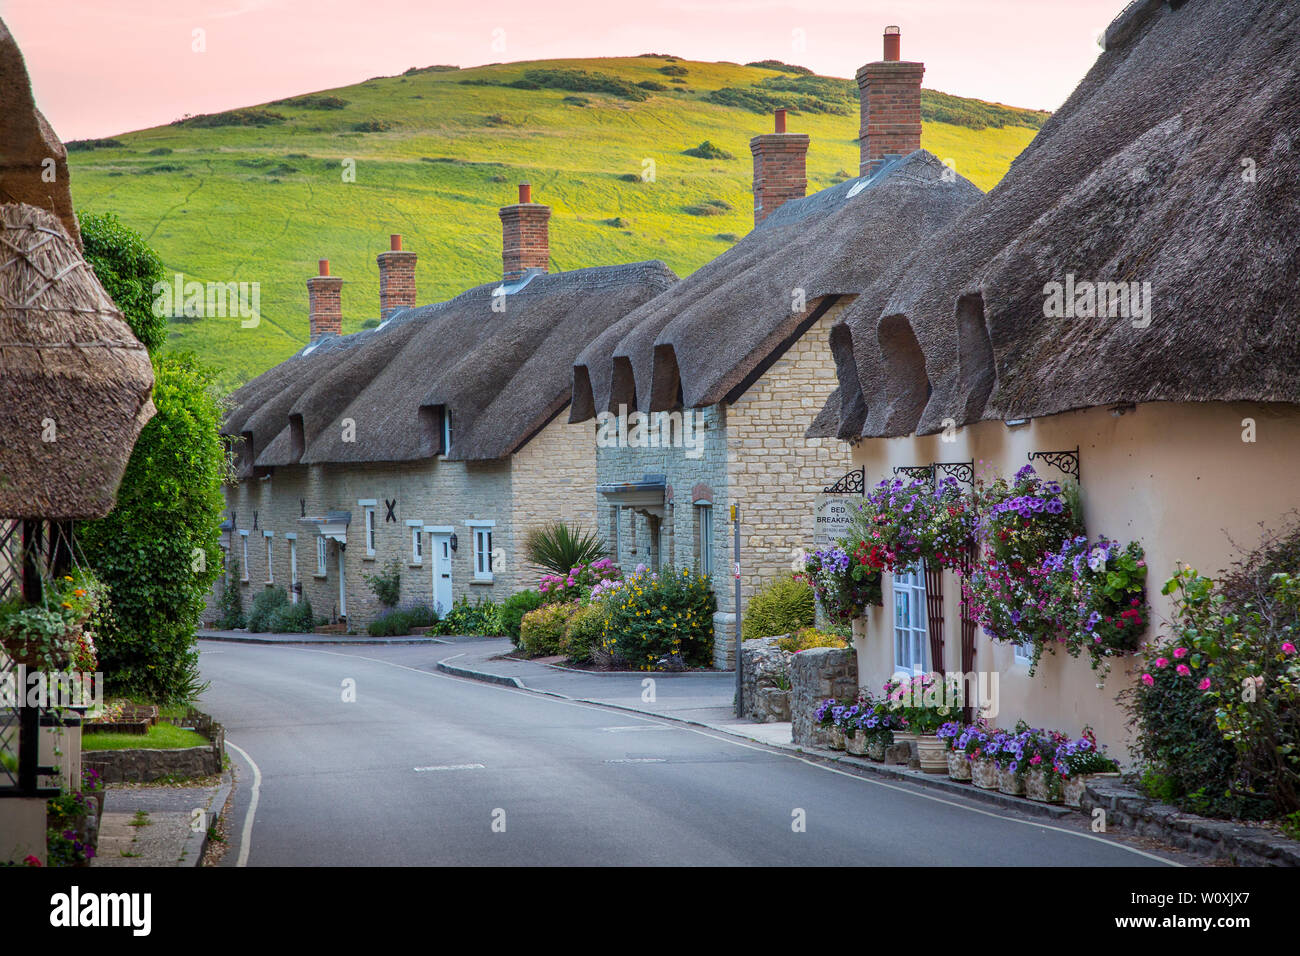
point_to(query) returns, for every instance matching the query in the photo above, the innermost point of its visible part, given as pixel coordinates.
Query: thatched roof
(74, 381)
(502, 373)
(711, 333)
(28, 144)
(1174, 163)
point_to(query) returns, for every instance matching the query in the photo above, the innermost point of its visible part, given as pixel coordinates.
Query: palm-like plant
(558, 548)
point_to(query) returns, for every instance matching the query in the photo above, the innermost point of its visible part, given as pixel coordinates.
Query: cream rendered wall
(1178, 478)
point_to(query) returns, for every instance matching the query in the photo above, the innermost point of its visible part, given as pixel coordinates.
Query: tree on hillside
(158, 549)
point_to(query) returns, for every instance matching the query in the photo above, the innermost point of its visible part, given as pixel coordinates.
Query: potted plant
(1042, 782)
(1006, 749)
(824, 718)
(958, 765)
(980, 745)
(1077, 762)
(879, 724)
(855, 736)
(924, 705)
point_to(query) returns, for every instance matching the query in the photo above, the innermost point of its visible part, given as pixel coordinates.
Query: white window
(482, 531)
(446, 430)
(270, 558)
(293, 570)
(911, 635)
(704, 517)
(243, 567)
(370, 532)
(1024, 650)
(417, 545)
(320, 556)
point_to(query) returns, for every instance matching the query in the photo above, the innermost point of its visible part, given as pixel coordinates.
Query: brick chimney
(396, 278)
(525, 244)
(779, 168)
(890, 94)
(325, 303)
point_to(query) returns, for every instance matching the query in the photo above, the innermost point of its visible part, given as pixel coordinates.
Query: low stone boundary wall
(1130, 810)
(766, 680)
(816, 674)
(144, 764)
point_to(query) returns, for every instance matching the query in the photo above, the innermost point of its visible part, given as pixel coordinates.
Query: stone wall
(552, 476)
(816, 674)
(766, 680)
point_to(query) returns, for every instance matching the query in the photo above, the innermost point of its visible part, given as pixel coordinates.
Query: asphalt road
(426, 769)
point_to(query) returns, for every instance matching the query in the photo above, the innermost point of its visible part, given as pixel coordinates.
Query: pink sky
(109, 66)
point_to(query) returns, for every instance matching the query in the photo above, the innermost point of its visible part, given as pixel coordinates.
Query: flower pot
(1010, 782)
(837, 739)
(876, 745)
(958, 766)
(857, 744)
(1072, 787)
(1043, 784)
(932, 753)
(984, 773)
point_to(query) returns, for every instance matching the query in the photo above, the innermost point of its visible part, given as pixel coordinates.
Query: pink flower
(1148, 679)
(1180, 653)
(1183, 669)
(1162, 662)
(1288, 648)
(1204, 684)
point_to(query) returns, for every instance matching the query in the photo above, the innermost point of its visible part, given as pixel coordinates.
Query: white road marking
(619, 730)
(451, 766)
(640, 760)
(777, 752)
(246, 837)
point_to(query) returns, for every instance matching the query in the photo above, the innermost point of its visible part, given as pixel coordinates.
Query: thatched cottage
(436, 438)
(702, 395)
(1170, 180)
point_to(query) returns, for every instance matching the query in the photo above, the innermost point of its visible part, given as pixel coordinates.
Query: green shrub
(265, 605)
(654, 86)
(371, 126)
(404, 620)
(230, 606)
(541, 632)
(482, 618)
(662, 621)
(673, 70)
(781, 607)
(242, 117)
(386, 583)
(707, 150)
(585, 630)
(293, 619)
(810, 637)
(85, 145)
(314, 102)
(710, 207)
(127, 269)
(161, 151)
(514, 608)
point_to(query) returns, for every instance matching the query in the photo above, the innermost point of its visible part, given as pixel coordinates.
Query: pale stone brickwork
(552, 474)
(775, 473)
(755, 454)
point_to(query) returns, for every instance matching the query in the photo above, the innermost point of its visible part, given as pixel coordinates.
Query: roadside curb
(193, 855)
(860, 768)
(355, 641)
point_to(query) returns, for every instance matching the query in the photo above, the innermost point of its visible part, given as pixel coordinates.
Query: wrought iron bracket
(917, 472)
(962, 471)
(853, 483)
(1065, 461)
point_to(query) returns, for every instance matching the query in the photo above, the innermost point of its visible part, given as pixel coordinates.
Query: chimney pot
(525, 193)
(395, 243)
(893, 45)
(780, 121)
(324, 267)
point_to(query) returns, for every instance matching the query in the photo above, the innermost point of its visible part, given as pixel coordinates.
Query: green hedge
(782, 607)
(658, 621)
(514, 608)
(542, 631)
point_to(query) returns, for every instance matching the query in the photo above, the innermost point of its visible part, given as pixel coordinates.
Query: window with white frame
(417, 545)
(293, 570)
(911, 631)
(270, 558)
(243, 543)
(320, 556)
(482, 552)
(446, 430)
(370, 532)
(704, 519)
(1024, 650)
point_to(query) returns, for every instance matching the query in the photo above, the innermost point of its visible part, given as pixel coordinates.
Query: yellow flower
(66, 604)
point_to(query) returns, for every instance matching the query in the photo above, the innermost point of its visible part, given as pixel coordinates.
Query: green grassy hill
(259, 194)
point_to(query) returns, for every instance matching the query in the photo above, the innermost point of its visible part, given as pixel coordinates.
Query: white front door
(441, 572)
(343, 590)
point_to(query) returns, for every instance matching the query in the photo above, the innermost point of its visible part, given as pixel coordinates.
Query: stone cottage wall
(551, 479)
